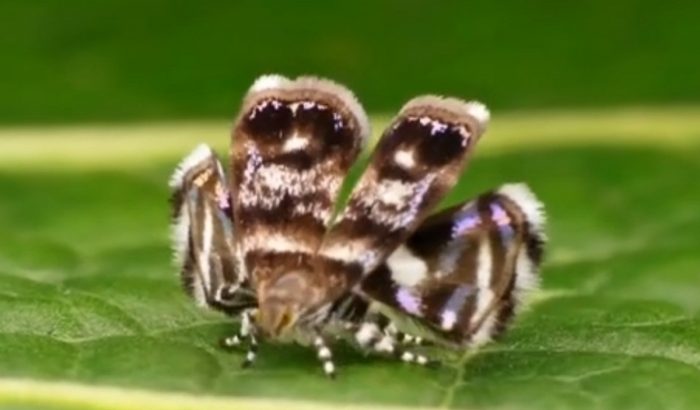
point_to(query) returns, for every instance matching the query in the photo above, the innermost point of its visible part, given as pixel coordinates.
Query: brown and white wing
(202, 234)
(293, 143)
(462, 275)
(416, 162)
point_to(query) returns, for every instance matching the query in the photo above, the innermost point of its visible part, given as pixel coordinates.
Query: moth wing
(416, 162)
(463, 274)
(292, 145)
(202, 234)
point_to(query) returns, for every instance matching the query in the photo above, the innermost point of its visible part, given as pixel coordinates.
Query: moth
(268, 242)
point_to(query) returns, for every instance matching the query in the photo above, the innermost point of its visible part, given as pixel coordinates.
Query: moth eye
(444, 144)
(270, 119)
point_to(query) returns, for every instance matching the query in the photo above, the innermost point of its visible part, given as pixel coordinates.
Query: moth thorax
(284, 301)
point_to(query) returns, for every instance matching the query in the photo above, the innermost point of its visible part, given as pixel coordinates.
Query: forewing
(293, 144)
(462, 275)
(202, 234)
(417, 160)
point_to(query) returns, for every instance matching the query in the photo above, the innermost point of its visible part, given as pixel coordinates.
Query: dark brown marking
(269, 121)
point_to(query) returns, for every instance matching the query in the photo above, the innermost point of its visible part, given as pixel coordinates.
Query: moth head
(285, 301)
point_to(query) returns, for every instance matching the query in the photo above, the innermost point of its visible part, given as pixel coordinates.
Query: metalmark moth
(384, 273)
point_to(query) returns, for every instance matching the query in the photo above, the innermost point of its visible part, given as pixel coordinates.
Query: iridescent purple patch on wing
(465, 221)
(502, 220)
(408, 301)
(222, 198)
(454, 305)
(449, 258)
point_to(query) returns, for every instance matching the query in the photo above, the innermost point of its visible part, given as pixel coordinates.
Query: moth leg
(241, 335)
(377, 334)
(325, 356)
(404, 339)
(381, 336)
(248, 332)
(389, 344)
(371, 330)
(251, 353)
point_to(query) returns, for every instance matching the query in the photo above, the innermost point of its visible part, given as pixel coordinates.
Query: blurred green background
(67, 61)
(596, 105)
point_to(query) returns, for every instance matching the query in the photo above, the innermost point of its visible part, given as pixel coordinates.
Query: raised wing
(293, 143)
(202, 234)
(462, 275)
(418, 159)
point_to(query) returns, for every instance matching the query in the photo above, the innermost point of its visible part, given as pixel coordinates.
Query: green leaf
(92, 314)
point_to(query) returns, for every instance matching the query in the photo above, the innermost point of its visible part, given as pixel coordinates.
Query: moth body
(266, 243)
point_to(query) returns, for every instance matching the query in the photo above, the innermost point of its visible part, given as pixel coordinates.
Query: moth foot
(249, 360)
(408, 356)
(230, 342)
(325, 356)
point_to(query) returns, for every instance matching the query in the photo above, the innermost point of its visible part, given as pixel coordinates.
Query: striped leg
(245, 333)
(248, 331)
(325, 356)
(404, 339)
(379, 335)
(251, 353)
(409, 340)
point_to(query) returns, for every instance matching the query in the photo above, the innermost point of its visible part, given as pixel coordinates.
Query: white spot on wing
(266, 185)
(405, 159)
(295, 143)
(449, 318)
(389, 202)
(483, 282)
(406, 268)
(394, 192)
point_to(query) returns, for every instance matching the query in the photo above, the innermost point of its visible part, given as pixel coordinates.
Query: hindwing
(203, 237)
(463, 273)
